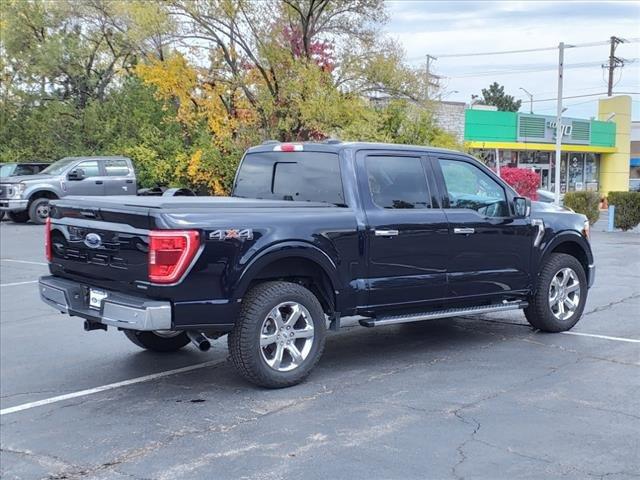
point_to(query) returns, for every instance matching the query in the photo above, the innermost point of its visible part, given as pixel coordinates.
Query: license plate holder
(96, 297)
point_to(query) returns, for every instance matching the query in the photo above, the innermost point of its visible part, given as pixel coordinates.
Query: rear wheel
(279, 336)
(39, 210)
(158, 341)
(19, 217)
(1, 215)
(561, 293)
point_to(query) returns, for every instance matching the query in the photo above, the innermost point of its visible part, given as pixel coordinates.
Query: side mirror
(522, 207)
(76, 174)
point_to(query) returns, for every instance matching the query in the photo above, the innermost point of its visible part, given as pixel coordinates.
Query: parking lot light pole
(559, 122)
(530, 95)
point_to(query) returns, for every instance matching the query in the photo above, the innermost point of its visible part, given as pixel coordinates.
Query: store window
(575, 172)
(529, 157)
(591, 171)
(488, 157)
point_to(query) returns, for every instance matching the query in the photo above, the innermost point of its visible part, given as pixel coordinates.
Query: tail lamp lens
(47, 240)
(171, 253)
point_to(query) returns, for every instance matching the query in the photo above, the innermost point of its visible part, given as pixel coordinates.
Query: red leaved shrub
(524, 180)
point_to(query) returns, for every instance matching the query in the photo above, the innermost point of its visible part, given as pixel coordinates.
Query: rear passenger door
(406, 230)
(119, 179)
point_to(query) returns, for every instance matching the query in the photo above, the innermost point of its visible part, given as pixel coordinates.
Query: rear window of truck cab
(295, 176)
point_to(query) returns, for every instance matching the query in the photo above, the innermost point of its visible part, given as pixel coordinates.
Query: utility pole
(614, 62)
(430, 58)
(559, 128)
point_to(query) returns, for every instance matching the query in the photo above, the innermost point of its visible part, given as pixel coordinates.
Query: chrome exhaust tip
(199, 340)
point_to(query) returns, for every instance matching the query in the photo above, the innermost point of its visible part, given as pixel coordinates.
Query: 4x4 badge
(244, 234)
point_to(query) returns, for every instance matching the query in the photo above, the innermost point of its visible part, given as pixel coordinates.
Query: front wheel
(39, 210)
(279, 336)
(158, 341)
(561, 293)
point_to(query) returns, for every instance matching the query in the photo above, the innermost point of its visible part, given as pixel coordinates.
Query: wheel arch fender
(42, 191)
(287, 251)
(572, 243)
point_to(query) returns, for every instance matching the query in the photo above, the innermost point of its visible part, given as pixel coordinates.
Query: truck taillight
(47, 239)
(171, 253)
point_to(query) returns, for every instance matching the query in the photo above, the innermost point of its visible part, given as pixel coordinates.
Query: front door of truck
(407, 231)
(90, 180)
(489, 250)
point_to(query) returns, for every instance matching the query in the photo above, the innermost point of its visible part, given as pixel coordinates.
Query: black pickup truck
(314, 232)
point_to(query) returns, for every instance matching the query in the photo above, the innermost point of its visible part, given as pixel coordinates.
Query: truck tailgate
(105, 244)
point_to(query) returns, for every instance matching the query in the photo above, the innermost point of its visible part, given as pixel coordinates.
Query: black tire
(1, 215)
(39, 210)
(539, 313)
(244, 340)
(19, 217)
(157, 343)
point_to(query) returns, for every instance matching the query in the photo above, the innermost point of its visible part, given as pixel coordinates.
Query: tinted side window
(24, 170)
(397, 182)
(90, 168)
(469, 187)
(297, 176)
(116, 168)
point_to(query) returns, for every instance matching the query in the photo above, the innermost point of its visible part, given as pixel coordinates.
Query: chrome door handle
(386, 233)
(464, 231)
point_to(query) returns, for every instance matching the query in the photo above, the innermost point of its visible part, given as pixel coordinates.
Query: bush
(627, 204)
(587, 203)
(523, 180)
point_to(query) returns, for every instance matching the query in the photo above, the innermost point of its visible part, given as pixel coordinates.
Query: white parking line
(111, 386)
(17, 283)
(23, 261)
(605, 337)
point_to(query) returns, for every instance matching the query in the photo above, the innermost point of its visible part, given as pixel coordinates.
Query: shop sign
(565, 128)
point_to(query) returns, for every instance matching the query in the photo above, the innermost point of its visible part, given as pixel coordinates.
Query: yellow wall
(614, 167)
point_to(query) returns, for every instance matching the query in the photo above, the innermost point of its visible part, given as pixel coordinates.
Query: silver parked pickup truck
(27, 197)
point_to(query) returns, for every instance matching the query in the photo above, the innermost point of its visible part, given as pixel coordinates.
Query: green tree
(495, 96)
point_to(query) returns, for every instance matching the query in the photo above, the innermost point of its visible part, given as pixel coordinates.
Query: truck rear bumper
(116, 309)
(13, 205)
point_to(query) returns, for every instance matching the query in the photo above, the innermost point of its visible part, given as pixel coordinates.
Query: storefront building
(595, 153)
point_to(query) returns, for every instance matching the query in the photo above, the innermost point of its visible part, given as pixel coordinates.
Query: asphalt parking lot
(477, 397)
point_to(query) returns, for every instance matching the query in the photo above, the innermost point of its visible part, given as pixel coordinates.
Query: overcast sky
(439, 28)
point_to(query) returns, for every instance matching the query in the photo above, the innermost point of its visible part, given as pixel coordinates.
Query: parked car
(27, 197)
(312, 233)
(18, 169)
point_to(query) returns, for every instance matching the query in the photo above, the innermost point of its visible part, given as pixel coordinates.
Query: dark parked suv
(312, 233)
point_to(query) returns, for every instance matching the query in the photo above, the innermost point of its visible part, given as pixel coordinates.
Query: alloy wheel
(564, 294)
(286, 336)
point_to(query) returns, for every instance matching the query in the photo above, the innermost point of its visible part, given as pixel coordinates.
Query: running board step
(451, 312)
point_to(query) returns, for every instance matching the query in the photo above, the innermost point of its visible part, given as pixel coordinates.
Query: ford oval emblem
(93, 240)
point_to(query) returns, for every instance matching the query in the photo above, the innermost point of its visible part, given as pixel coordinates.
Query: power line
(529, 50)
(528, 69)
(555, 99)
